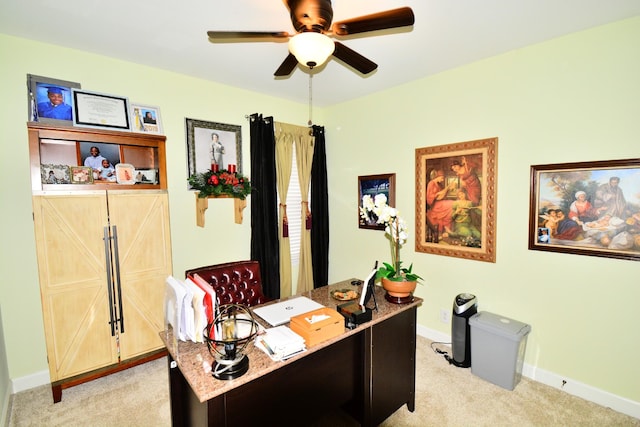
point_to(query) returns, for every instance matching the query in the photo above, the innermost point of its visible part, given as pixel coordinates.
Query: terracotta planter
(399, 292)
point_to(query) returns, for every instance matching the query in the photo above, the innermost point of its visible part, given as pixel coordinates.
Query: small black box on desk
(354, 314)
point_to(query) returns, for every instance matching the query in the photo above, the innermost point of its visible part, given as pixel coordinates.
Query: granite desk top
(194, 359)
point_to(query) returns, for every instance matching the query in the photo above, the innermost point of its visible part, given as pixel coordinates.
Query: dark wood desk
(369, 372)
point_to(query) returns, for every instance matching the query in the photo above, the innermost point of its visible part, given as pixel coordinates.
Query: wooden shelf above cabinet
(202, 204)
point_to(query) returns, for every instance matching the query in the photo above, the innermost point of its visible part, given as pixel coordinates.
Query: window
(294, 200)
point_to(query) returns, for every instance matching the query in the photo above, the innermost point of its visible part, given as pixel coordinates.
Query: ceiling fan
(312, 22)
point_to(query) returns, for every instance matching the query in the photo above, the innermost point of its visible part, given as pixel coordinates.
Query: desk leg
(186, 409)
(392, 371)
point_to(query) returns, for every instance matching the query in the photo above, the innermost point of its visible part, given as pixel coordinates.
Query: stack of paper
(280, 343)
(185, 309)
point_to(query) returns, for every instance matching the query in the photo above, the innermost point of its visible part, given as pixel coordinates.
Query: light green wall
(572, 99)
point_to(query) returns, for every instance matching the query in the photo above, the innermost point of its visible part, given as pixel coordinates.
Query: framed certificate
(99, 110)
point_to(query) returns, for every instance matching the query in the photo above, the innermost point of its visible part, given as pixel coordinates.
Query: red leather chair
(235, 282)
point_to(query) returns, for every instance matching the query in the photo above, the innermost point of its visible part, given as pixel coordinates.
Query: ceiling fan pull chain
(310, 99)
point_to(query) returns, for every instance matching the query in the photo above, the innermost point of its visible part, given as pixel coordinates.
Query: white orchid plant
(395, 228)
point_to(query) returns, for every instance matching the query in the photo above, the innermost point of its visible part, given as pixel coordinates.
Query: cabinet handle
(107, 257)
(117, 278)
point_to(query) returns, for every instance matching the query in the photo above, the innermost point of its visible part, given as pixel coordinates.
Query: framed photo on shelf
(55, 174)
(146, 176)
(145, 119)
(50, 100)
(456, 199)
(588, 208)
(372, 185)
(211, 143)
(99, 110)
(81, 175)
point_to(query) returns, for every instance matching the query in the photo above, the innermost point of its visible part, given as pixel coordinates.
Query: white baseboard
(575, 388)
(31, 381)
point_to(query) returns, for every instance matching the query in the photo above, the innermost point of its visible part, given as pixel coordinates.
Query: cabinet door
(141, 220)
(69, 233)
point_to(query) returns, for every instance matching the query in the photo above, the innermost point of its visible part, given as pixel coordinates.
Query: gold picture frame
(456, 189)
(81, 175)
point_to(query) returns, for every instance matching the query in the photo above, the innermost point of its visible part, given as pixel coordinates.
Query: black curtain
(264, 213)
(319, 211)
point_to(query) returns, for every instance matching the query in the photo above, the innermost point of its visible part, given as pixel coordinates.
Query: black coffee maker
(464, 306)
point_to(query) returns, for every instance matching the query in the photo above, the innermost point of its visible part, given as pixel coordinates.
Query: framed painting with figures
(456, 199)
(588, 208)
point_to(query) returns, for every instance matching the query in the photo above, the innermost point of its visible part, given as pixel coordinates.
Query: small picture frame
(372, 185)
(55, 174)
(125, 173)
(146, 176)
(50, 100)
(81, 175)
(145, 119)
(100, 110)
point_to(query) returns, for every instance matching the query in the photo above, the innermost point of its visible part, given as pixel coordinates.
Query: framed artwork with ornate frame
(203, 151)
(587, 208)
(372, 185)
(456, 188)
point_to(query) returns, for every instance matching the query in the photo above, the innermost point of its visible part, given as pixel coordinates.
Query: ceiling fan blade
(287, 66)
(220, 36)
(394, 18)
(354, 59)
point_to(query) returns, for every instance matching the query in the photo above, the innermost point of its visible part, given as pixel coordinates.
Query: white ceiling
(172, 35)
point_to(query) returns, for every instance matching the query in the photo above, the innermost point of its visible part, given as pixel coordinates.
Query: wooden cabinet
(104, 253)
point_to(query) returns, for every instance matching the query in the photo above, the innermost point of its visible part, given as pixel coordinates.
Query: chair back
(237, 282)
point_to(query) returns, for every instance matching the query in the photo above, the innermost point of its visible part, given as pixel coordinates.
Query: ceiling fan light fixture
(311, 49)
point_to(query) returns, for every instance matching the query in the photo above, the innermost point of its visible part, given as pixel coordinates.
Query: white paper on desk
(173, 303)
(280, 342)
(210, 300)
(200, 316)
(187, 315)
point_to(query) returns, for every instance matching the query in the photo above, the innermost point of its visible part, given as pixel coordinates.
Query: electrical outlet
(444, 315)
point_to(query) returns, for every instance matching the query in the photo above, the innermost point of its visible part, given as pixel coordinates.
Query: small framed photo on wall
(372, 185)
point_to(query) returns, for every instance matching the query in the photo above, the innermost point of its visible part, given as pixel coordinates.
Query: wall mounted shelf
(202, 204)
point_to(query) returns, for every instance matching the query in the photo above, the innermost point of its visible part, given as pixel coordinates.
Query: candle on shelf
(214, 167)
(232, 168)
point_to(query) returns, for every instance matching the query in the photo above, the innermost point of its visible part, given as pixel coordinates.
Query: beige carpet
(445, 396)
